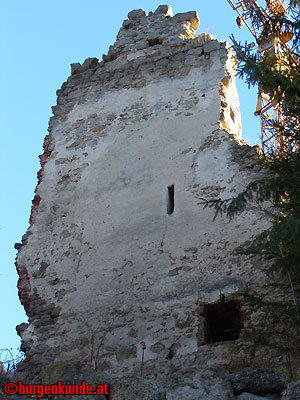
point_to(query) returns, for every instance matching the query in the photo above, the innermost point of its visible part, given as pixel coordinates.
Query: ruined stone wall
(108, 260)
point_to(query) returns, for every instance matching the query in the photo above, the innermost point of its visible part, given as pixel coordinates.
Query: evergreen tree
(280, 77)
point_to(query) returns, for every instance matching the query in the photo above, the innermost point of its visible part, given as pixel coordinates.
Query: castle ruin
(119, 248)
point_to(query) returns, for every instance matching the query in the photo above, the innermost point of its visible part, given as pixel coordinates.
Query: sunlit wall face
(38, 43)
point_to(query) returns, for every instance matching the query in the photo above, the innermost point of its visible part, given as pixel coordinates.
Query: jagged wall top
(143, 36)
(140, 31)
(149, 48)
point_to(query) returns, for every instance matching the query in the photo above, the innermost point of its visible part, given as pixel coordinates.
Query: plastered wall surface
(103, 265)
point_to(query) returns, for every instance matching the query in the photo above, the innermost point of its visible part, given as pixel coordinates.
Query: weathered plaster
(104, 263)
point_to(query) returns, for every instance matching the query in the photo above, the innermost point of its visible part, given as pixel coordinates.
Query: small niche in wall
(232, 114)
(153, 42)
(170, 200)
(223, 321)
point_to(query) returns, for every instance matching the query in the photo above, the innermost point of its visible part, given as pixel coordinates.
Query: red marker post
(143, 345)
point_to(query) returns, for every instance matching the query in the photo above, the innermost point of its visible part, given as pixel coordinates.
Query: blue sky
(39, 40)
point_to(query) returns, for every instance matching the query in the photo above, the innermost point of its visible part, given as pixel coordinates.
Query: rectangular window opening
(170, 200)
(232, 115)
(223, 321)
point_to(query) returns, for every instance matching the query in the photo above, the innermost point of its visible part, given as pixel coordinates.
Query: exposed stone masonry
(147, 48)
(104, 265)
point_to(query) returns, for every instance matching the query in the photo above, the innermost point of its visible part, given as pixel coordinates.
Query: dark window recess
(223, 321)
(153, 42)
(171, 353)
(170, 201)
(232, 115)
